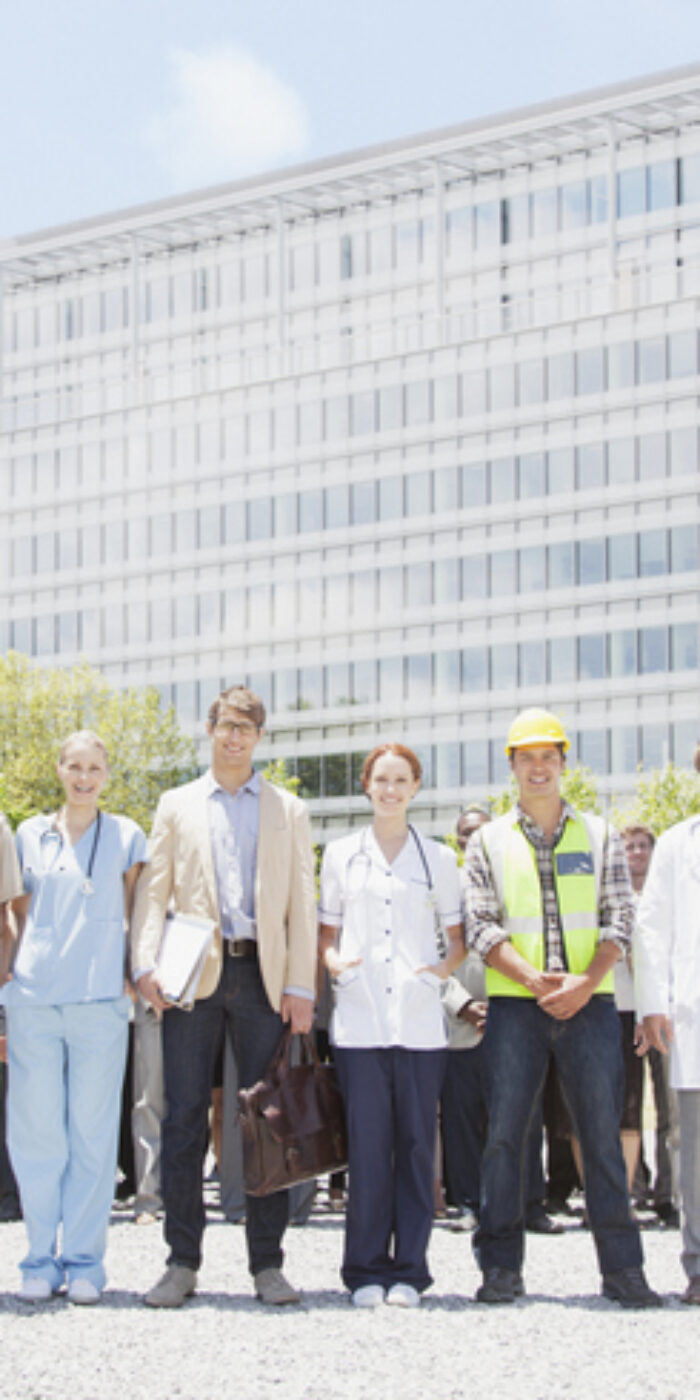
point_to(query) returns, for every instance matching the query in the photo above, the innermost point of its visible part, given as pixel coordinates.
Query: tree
(663, 797)
(278, 774)
(39, 709)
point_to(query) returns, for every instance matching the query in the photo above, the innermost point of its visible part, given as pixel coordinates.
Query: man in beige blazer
(231, 848)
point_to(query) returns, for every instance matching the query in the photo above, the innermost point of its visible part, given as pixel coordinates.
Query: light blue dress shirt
(73, 945)
(234, 819)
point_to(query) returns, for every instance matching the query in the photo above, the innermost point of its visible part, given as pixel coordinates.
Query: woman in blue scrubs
(67, 1024)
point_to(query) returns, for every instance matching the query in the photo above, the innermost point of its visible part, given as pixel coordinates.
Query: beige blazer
(181, 877)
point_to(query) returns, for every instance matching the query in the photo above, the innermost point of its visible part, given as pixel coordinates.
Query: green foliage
(278, 774)
(148, 751)
(578, 786)
(663, 797)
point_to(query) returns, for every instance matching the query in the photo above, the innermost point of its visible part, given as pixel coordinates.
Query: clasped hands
(560, 994)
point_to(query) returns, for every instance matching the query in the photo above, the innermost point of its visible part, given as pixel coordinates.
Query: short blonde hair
(83, 736)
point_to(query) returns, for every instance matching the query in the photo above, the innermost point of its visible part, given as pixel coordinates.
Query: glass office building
(406, 439)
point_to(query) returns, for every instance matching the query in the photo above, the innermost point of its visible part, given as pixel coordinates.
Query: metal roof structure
(550, 131)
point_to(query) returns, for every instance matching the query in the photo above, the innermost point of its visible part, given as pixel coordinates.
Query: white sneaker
(369, 1296)
(81, 1290)
(403, 1295)
(35, 1289)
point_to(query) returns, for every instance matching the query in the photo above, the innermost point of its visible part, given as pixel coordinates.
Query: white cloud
(228, 116)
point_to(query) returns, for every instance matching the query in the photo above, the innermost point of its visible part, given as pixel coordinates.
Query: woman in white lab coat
(386, 893)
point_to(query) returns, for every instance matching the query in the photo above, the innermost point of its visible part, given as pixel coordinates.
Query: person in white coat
(667, 978)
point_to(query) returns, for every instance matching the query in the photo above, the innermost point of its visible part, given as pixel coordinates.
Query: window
(285, 509)
(690, 178)
(516, 218)
(622, 557)
(338, 683)
(655, 748)
(560, 375)
(362, 413)
(309, 775)
(504, 666)
(185, 531)
(501, 388)
(487, 221)
(417, 403)
(310, 510)
(446, 397)
(533, 569)
(620, 461)
(591, 562)
(590, 466)
(362, 502)
(390, 407)
(185, 616)
(390, 497)
(533, 663)
(598, 195)
(285, 689)
(474, 577)
(209, 528)
(532, 475)
(502, 480)
(335, 774)
(622, 653)
(544, 212)
(652, 456)
(390, 591)
(682, 353)
(631, 192)
(591, 657)
(560, 470)
(661, 185)
(621, 365)
(684, 646)
(653, 649)
(364, 682)
(363, 594)
(683, 443)
(259, 513)
(337, 506)
(560, 564)
(474, 485)
(474, 391)
(503, 573)
(310, 688)
(419, 585)
(447, 673)
(623, 749)
(447, 579)
(652, 553)
(590, 370)
(419, 677)
(474, 668)
(531, 382)
(652, 359)
(475, 763)
(684, 548)
(592, 750)
(446, 488)
(574, 204)
(418, 493)
(390, 679)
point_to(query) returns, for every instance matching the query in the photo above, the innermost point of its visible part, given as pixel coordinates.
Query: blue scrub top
(73, 945)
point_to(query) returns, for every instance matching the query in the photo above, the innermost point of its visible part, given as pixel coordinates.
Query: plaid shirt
(484, 915)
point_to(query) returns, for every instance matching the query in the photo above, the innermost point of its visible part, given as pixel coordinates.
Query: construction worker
(549, 909)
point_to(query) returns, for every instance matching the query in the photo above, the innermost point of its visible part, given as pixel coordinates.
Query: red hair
(399, 751)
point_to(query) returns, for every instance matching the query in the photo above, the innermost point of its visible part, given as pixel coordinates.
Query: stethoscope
(363, 854)
(53, 834)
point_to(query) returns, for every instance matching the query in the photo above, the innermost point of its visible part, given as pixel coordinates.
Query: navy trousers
(391, 1097)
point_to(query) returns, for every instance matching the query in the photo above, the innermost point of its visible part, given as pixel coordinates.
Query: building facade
(406, 439)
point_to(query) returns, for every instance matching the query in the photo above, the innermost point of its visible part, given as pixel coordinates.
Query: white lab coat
(666, 952)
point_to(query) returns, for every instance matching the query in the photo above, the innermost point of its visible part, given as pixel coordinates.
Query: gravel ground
(561, 1341)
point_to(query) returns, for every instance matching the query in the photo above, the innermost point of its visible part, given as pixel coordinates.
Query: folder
(184, 945)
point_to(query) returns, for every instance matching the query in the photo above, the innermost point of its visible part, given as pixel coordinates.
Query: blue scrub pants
(391, 1098)
(66, 1066)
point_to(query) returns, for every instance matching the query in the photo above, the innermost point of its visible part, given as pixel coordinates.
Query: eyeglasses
(230, 727)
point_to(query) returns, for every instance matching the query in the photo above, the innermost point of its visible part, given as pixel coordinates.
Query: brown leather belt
(241, 947)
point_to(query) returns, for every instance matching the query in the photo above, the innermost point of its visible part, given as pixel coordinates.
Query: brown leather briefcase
(292, 1121)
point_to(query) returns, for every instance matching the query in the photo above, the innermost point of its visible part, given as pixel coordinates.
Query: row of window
(498, 389)
(479, 763)
(404, 246)
(363, 593)
(619, 654)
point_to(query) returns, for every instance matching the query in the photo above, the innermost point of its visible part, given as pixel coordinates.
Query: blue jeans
(66, 1066)
(518, 1042)
(191, 1042)
(464, 1133)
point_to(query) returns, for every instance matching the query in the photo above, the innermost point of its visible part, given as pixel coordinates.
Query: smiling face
(538, 770)
(83, 772)
(233, 739)
(391, 785)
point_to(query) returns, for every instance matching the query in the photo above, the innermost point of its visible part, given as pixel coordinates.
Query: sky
(107, 104)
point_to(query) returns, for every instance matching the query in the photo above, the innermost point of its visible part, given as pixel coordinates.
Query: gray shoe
(271, 1286)
(178, 1282)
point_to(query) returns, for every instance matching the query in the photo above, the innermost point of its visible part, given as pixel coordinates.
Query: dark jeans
(518, 1042)
(464, 1125)
(391, 1097)
(191, 1043)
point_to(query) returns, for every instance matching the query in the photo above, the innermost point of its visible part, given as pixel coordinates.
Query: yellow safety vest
(577, 860)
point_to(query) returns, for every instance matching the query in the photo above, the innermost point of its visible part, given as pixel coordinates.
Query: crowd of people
(473, 1005)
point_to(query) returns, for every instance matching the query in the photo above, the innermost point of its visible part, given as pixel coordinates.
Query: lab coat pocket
(430, 980)
(346, 978)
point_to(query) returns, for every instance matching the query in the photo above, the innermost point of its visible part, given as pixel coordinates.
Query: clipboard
(184, 945)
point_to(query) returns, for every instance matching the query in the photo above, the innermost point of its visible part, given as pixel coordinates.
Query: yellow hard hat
(536, 727)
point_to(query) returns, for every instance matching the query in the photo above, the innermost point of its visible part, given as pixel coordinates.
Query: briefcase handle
(281, 1060)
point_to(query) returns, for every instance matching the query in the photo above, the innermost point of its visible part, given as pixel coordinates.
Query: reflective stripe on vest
(577, 876)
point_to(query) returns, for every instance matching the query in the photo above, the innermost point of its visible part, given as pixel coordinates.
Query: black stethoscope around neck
(87, 887)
